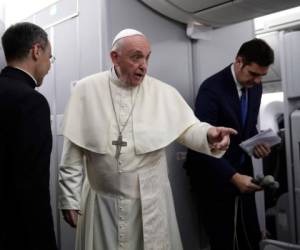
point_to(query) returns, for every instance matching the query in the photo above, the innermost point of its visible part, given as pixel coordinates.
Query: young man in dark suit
(25, 141)
(224, 187)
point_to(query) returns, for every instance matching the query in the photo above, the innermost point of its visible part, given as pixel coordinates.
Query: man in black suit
(224, 187)
(25, 141)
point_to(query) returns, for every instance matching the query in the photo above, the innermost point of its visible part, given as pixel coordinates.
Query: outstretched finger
(230, 131)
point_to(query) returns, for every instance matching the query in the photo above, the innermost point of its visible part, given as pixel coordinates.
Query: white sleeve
(70, 176)
(195, 138)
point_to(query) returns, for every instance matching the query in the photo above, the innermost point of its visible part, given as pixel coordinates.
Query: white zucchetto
(125, 33)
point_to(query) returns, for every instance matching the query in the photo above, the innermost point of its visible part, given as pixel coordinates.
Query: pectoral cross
(119, 144)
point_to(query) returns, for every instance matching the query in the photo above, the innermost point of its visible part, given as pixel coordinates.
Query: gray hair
(118, 45)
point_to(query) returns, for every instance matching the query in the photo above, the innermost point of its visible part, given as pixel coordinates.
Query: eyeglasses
(52, 59)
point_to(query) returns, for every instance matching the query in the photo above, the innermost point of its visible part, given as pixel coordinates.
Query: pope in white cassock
(113, 178)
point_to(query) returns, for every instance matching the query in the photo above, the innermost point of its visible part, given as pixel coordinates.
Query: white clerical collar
(26, 72)
(237, 84)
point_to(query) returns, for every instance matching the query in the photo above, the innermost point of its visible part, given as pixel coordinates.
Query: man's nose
(144, 64)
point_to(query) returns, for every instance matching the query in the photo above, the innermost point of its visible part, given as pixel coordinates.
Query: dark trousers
(218, 216)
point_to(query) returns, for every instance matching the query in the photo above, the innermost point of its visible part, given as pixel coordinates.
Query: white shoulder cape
(159, 117)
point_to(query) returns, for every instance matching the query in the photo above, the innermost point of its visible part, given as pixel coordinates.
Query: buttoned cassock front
(126, 204)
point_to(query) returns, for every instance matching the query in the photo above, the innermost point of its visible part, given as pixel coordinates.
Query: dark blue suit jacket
(218, 104)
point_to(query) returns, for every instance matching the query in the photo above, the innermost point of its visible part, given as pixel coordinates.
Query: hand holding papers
(268, 136)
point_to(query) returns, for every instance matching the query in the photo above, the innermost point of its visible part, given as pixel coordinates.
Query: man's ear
(239, 61)
(35, 51)
(114, 57)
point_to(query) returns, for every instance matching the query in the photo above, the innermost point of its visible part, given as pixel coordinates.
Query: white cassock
(126, 204)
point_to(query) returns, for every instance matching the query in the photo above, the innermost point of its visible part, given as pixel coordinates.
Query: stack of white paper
(267, 136)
